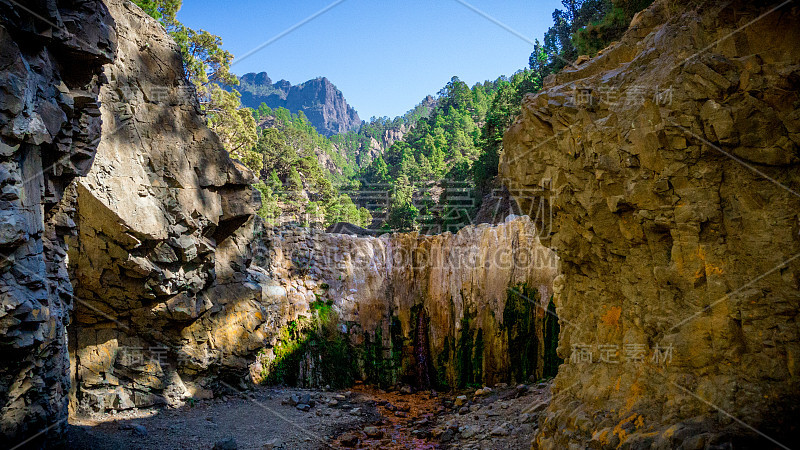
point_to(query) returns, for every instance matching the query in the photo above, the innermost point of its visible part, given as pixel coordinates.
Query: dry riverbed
(363, 417)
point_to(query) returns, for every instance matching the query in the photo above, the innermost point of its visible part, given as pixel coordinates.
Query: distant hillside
(323, 104)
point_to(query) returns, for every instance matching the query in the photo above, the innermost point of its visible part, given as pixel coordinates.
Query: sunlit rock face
(50, 59)
(672, 164)
(161, 219)
(443, 310)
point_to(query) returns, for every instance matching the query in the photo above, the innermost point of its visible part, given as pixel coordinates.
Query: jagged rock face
(465, 296)
(323, 104)
(672, 164)
(158, 215)
(393, 135)
(50, 59)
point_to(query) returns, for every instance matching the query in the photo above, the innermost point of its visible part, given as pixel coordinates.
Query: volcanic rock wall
(673, 166)
(159, 259)
(50, 59)
(450, 293)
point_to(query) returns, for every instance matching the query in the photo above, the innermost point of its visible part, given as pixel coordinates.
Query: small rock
(400, 414)
(538, 407)
(226, 444)
(293, 400)
(355, 411)
(467, 432)
(373, 432)
(541, 385)
(460, 400)
(483, 391)
(272, 444)
(333, 403)
(303, 407)
(463, 410)
(406, 390)
(448, 435)
(502, 430)
(349, 439)
(139, 430)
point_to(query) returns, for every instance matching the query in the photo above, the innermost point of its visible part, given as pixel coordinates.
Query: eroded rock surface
(50, 60)
(161, 216)
(671, 161)
(449, 309)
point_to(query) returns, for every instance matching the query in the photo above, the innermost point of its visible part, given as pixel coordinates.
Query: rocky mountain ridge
(323, 104)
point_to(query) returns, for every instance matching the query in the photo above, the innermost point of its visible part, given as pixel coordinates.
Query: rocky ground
(364, 417)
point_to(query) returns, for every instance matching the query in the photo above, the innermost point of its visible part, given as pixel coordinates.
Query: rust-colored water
(396, 429)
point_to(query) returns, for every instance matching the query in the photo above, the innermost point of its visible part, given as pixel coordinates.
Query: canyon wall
(50, 60)
(443, 310)
(183, 292)
(672, 164)
(160, 257)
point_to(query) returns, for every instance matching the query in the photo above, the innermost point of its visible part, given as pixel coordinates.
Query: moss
(469, 354)
(519, 322)
(477, 360)
(551, 330)
(442, 362)
(379, 367)
(317, 335)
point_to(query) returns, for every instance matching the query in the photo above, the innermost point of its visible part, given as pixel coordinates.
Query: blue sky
(385, 56)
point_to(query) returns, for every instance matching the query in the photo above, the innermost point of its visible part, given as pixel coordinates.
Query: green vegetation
(293, 183)
(381, 365)
(551, 330)
(445, 154)
(432, 180)
(469, 355)
(519, 322)
(319, 338)
(583, 27)
(207, 67)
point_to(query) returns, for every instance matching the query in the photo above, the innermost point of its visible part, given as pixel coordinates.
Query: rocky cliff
(50, 61)
(160, 216)
(445, 310)
(671, 161)
(323, 104)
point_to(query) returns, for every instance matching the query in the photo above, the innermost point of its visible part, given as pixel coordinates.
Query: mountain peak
(319, 99)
